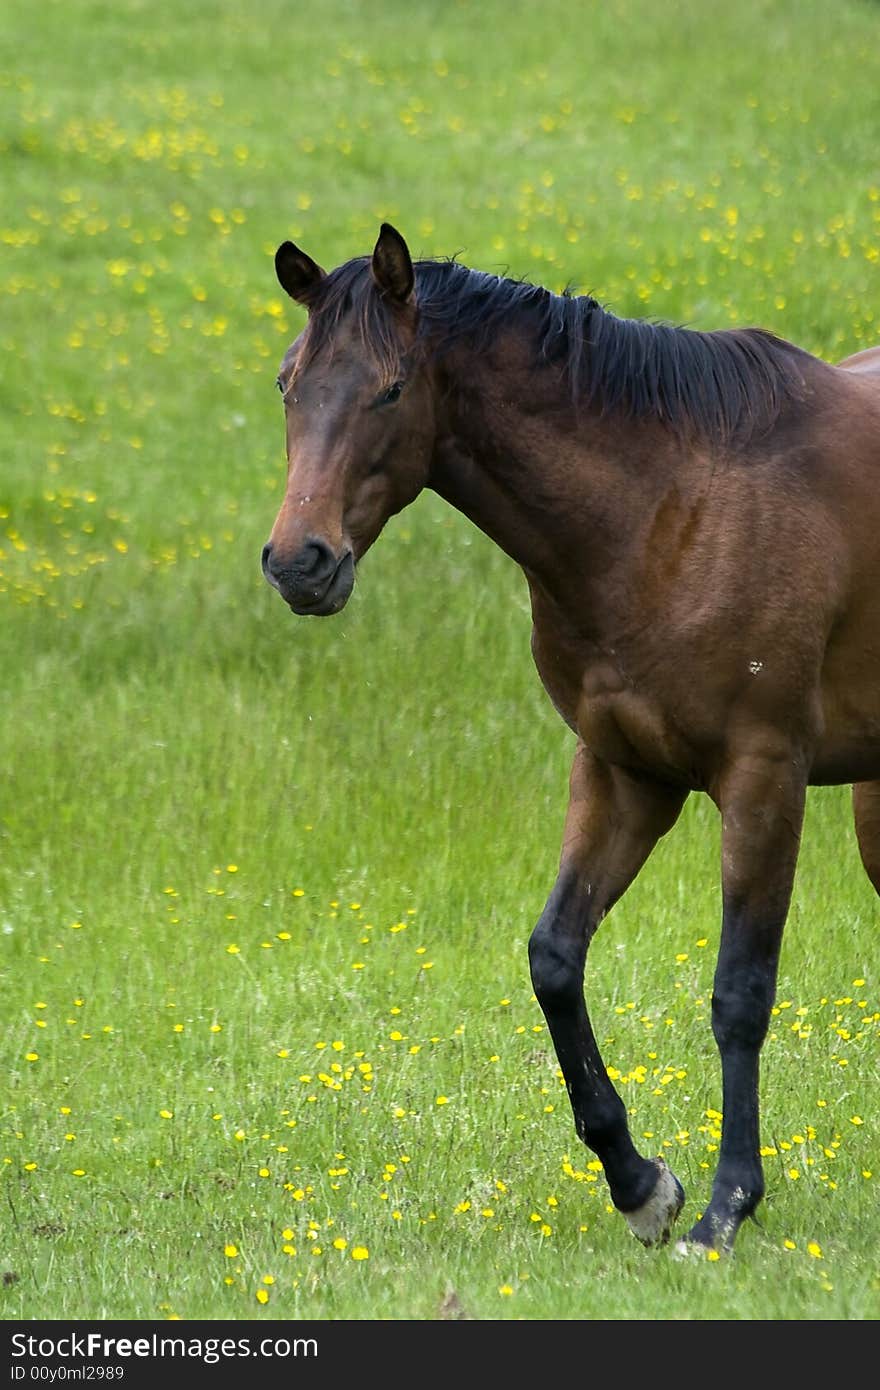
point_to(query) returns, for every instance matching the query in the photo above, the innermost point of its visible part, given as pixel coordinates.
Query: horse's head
(360, 419)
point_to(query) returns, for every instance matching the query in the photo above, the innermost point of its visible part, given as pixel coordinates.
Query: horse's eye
(392, 394)
(280, 384)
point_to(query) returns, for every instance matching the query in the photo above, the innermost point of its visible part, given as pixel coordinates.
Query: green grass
(268, 883)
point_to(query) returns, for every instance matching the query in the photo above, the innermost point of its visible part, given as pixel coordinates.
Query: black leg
(613, 823)
(762, 804)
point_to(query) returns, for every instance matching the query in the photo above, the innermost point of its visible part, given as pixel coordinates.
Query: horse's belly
(851, 756)
(848, 749)
(840, 766)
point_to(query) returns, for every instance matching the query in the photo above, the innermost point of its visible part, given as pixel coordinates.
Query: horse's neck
(556, 492)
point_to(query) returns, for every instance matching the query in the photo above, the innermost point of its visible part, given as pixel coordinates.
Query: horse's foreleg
(866, 806)
(761, 799)
(614, 820)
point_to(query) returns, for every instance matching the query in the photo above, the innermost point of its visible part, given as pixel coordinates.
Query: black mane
(723, 384)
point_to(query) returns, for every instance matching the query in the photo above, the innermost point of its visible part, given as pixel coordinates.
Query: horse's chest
(629, 729)
(622, 725)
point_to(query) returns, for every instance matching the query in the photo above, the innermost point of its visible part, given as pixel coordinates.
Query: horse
(696, 516)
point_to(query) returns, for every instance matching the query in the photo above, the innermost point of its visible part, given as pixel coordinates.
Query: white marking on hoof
(689, 1250)
(652, 1222)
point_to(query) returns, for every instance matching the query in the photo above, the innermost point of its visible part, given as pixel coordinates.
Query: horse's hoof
(653, 1222)
(708, 1239)
(689, 1249)
(686, 1249)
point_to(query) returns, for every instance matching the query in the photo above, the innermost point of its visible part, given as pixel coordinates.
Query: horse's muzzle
(315, 582)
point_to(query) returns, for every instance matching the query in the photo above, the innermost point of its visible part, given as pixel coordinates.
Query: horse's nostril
(315, 558)
(306, 573)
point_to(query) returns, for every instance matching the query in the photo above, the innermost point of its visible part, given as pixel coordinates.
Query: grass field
(266, 884)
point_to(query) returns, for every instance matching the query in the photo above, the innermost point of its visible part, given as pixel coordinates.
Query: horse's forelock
(349, 302)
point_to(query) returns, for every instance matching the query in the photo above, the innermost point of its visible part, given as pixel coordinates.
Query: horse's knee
(741, 1009)
(556, 963)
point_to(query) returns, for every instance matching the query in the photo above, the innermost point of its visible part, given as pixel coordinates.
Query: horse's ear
(392, 265)
(297, 273)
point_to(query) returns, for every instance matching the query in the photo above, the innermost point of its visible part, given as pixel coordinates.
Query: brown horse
(697, 516)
